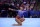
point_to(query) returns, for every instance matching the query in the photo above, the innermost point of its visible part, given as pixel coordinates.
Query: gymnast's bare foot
(15, 24)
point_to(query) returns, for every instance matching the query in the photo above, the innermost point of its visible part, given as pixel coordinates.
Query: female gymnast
(20, 17)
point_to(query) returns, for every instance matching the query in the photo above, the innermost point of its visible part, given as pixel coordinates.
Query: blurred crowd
(32, 8)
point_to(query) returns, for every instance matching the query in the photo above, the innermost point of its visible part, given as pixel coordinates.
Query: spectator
(31, 7)
(12, 3)
(0, 14)
(34, 16)
(25, 14)
(37, 15)
(4, 13)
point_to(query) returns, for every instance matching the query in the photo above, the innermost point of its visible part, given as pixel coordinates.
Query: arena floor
(29, 22)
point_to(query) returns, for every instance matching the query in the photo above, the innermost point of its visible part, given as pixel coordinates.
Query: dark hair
(33, 14)
(20, 6)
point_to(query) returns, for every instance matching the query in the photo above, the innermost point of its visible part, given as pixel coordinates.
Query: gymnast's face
(21, 8)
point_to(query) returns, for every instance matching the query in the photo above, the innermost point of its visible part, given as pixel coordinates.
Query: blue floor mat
(29, 22)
